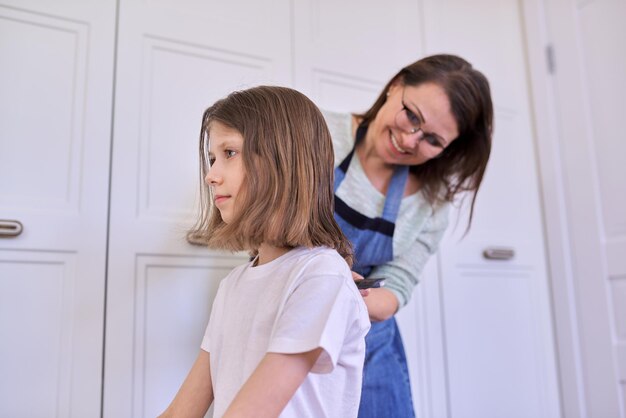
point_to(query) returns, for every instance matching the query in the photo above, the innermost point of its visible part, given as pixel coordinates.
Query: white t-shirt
(303, 300)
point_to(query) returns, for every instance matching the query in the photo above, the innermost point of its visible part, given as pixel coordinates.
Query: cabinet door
(584, 187)
(342, 58)
(175, 58)
(56, 82)
(496, 320)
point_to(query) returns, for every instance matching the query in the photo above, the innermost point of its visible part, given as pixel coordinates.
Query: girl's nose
(211, 178)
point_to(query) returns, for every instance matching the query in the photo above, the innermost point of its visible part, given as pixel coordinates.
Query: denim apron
(386, 387)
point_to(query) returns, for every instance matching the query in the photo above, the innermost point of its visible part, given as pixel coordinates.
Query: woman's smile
(396, 145)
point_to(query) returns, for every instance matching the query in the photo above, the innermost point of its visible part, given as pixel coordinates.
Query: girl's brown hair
(287, 198)
(461, 166)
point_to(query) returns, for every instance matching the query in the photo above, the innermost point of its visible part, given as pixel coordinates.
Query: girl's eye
(211, 161)
(230, 153)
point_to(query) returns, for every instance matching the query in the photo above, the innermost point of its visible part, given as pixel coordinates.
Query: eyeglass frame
(417, 126)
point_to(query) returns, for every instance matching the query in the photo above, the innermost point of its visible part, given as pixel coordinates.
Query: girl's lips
(220, 199)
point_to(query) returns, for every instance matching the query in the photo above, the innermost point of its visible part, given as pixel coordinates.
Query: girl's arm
(196, 394)
(272, 384)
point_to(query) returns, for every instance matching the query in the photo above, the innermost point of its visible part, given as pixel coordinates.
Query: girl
(286, 333)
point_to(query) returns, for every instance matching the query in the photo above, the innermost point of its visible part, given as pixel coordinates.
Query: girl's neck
(267, 253)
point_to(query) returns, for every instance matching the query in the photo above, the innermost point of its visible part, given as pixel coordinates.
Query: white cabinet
(56, 78)
(56, 75)
(87, 81)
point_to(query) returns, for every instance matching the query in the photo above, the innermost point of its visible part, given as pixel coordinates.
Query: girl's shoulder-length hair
(287, 197)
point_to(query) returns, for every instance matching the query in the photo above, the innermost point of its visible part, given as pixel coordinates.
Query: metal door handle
(499, 253)
(9, 228)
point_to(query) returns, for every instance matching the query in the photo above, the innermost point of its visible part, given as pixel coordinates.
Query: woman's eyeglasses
(410, 123)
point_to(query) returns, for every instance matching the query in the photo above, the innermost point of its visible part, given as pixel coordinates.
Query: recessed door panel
(55, 116)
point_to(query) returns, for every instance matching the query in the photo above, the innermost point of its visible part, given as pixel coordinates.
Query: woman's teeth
(395, 144)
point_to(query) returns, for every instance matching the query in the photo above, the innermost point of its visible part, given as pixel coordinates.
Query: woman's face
(414, 125)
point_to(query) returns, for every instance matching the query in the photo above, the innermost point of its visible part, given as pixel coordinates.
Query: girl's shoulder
(322, 259)
(306, 264)
(322, 268)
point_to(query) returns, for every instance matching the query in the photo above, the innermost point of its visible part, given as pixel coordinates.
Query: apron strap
(395, 192)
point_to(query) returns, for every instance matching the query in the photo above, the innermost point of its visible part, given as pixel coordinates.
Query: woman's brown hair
(287, 198)
(461, 166)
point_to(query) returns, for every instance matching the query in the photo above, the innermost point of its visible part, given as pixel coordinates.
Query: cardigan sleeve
(403, 272)
(340, 127)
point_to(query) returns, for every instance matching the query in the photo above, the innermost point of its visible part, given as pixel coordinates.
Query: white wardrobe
(102, 301)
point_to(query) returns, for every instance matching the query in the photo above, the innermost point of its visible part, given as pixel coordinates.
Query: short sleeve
(214, 319)
(322, 311)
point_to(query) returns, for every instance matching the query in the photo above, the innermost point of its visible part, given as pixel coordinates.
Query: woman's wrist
(381, 304)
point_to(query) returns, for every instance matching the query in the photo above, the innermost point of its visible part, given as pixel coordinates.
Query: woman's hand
(357, 278)
(381, 305)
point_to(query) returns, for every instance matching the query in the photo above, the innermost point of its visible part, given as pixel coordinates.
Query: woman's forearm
(381, 304)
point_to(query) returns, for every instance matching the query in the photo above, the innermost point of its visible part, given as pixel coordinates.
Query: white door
(56, 76)
(175, 58)
(498, 348)
(580, 105)
(342, 58)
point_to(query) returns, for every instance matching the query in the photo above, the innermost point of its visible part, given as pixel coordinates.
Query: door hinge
(550, 61)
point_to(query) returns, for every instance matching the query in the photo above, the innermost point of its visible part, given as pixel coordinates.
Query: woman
(399, 166)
